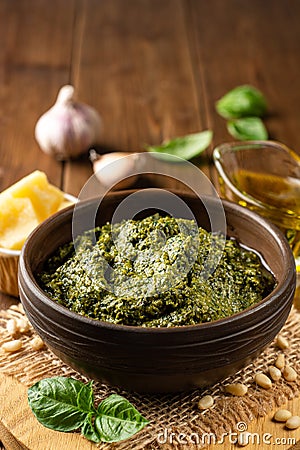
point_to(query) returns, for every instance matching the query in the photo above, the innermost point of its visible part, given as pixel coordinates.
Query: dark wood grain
(137, 73)
(36, 42)
(237, 42)
(158, 73)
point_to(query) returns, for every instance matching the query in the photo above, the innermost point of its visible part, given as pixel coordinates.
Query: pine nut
(293, 422)
(289, 373)
(12, 346)
(37, 343)
(14, 308)
(18, 308)
(280, 361)
(282, 342)
(11, 326)
(275, 373)
(238, 389)
(263, 381)
(23, 325)
(206, 402)
(282, 415)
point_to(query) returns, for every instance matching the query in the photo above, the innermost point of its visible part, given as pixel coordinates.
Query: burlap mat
(171, 413)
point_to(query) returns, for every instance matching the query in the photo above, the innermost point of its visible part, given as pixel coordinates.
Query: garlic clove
(116, 170)
(68, 128)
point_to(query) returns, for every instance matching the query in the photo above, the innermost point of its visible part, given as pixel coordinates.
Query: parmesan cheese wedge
(45, 197)
(24, 205)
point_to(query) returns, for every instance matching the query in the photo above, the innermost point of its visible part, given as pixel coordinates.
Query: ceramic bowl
(9, 260)
(158, 359)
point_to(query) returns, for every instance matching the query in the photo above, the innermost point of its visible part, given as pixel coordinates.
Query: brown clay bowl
(158, 359)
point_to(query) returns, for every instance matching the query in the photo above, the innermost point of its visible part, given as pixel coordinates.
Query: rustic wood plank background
(153, 69)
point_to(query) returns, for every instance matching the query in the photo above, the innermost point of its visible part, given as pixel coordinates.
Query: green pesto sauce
(145, 251)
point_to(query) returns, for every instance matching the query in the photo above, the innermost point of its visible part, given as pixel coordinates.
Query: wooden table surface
(152, 68)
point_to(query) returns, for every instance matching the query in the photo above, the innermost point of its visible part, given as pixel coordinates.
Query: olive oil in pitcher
(277, 198)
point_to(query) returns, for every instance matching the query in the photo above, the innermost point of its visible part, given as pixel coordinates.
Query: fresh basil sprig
(247, 128)
(185, 147)
(66, 404)
(242, 101)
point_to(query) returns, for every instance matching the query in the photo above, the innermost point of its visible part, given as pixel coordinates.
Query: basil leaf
(88, 430)
(242, 101)
(186, 147)
(247, 128)
(117, 419)
(85, 398)
(59, 403)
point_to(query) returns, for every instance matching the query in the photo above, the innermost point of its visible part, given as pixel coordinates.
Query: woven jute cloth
(171, 416)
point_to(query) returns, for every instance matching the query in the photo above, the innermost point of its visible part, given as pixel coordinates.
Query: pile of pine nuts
(285, 416)
(279, 369)
(275, 372)
(16, 327)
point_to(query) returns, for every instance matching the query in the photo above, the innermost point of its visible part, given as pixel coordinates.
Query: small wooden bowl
(9, 260)
(158, 359)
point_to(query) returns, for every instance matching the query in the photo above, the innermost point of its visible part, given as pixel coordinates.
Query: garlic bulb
(117, 170)
(69, 128)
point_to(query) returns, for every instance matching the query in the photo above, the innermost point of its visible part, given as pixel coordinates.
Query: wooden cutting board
(19, 429)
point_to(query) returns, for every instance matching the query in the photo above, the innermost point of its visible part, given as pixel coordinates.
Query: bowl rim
(8, 252)
(290, 276)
